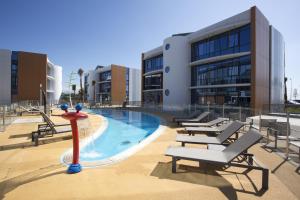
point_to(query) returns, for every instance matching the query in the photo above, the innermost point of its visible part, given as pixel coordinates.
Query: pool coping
(120, 156)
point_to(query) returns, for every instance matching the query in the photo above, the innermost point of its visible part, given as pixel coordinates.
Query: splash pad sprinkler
(75, 167)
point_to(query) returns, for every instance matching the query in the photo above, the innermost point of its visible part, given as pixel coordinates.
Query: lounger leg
(268, 136)
(265, 179)
(250, 160)
(174, 159)
(276, 140)
(182, 144)
(36, 139)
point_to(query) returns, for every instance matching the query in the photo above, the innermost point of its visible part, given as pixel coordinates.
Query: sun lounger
(190, 116)
(199, 118)
(30, 111)
(207, 124)
(223, 137)
(214, 129)
(49, 128)
(224, 158)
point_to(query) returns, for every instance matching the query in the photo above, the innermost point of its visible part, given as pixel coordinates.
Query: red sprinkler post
(75, 167)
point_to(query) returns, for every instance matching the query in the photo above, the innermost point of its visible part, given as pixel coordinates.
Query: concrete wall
(57, 83)
(5, 76)
(134, 84)
(177, 80)
(277, 64)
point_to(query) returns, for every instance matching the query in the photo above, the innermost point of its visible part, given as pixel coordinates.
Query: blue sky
(93, 32)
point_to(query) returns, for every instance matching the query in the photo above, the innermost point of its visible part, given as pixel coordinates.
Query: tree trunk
(81, 93)
(94, 93)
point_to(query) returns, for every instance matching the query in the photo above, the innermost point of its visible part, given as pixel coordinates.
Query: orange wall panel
(118, 84)
(32, 71)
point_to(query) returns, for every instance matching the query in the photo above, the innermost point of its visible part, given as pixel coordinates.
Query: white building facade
(54, 82)
(231, 62)
(113, 84)
(22, 74)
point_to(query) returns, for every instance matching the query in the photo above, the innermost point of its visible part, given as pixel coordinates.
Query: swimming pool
(126, 132)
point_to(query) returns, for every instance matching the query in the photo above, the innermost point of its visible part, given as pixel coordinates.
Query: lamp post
(291, 95)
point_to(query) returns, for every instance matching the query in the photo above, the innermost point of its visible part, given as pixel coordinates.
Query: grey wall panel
(5, 76)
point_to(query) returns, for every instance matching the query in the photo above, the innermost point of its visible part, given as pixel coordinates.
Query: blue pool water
(125, 130)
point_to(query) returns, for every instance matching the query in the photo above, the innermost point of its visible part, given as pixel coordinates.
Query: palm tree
(94, 85)
(80, 73)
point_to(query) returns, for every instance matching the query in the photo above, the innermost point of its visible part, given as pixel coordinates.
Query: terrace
(28, 171)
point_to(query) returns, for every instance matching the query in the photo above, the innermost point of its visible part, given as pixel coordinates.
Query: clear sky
(86, 33)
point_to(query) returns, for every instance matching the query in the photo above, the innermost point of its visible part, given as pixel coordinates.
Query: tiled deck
(36, 173)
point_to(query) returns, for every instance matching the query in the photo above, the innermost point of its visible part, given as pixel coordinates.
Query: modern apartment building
(22, 73)
(113, 84)
(238, 61)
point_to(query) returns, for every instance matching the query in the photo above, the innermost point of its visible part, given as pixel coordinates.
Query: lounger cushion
(199, 139)
(208, 129)
(216, 147)
(197, 154)
(211, 123)
(60, 129)
(197, 119)
(195, 124)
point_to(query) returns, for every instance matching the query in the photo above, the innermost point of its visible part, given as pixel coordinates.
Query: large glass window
(103, 98)
(105, 76)
(14, 73)
(152, 97)
(153, 64)
(127, 83)
(233, 41)
(231, 71)
(153, 81)
(105, 87)
(237, 96)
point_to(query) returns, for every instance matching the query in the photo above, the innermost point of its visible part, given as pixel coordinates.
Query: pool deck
(36, 173)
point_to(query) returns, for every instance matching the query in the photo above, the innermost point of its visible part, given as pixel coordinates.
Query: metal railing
(7, 115)
(9, 112)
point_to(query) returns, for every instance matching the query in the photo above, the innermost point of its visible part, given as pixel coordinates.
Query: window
(127, 84)
(167, 46)
(167, 69)
(14, 73)
(229, 71)
(105, 87)
(105, 76)
(167, 92)
(233, 41)
(153, 64)
(237, 96)
(153, 81)
(152, 97)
